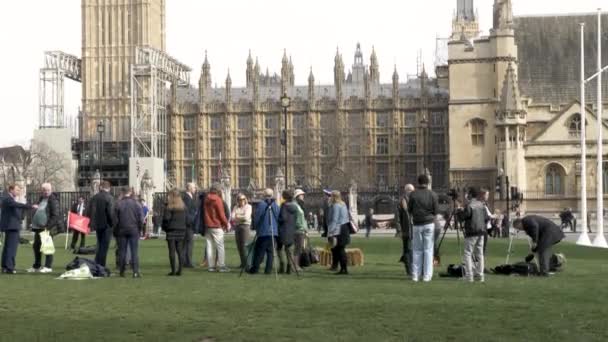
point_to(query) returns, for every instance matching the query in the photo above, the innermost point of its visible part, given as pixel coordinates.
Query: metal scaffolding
(152, 76)
(57, 66)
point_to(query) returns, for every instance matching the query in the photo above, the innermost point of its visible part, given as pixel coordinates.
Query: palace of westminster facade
(500, 104)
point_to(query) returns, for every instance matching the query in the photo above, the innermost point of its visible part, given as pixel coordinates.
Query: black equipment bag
(523, 268)
(96, 269)
(88, 250)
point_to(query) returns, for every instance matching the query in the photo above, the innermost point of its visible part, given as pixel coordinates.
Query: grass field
(375, 303)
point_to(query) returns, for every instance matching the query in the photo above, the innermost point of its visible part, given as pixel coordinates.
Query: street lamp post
(285, 103)
(101, 128)
(425, 150)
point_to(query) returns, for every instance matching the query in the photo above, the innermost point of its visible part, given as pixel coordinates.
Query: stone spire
(292, 77)
(311, 88)
(338, 74)
(250, 74)
(374, 70)
(465, 10)
(285, 76)
(503, 15)
(464, 22)
(510, 98)
(228, 87)
(395, 85)
(204, 82)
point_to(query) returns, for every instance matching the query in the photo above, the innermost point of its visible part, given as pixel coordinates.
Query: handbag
(47, 247)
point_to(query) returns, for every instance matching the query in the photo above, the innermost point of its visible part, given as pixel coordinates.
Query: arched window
(478, 127)
(574, 126)
(554, 180)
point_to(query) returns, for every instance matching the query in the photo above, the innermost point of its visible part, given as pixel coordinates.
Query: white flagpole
(583, 239)
(600, 240)
(67, 231)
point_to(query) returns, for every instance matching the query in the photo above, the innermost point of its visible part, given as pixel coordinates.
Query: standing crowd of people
(280, 229)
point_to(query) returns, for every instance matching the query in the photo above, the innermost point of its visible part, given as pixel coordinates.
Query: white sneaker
(46, 270)
(32, 270)
(211, 270)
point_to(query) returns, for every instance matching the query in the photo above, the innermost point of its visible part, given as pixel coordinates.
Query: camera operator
(266, 224)
(475, 216)
(568, 219)
(544, 234)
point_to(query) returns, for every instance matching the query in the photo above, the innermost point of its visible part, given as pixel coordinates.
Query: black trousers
(48, 260)
(338, 253)
(9, 250)
(128, 240)
(176, 247)
(544, 251)
(104, 236)
(75, 235)
(263, 246)
(406, 255)
(188, 247)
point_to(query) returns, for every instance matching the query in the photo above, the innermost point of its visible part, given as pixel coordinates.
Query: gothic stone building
(356, 129)
(519, 110)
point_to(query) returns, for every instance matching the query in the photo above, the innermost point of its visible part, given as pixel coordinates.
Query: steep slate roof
(549, 56)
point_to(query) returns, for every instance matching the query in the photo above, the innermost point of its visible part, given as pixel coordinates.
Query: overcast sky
(310, 30)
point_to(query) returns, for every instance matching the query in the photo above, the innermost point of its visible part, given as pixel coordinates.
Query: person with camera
(544, 234)
(175, 225)
(266, 219)
(475, 217)
(423, 207)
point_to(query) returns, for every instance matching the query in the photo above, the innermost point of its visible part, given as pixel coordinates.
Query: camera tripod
(275, 255)
(452, 216)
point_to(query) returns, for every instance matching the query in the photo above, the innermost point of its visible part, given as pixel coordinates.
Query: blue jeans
(422, 244)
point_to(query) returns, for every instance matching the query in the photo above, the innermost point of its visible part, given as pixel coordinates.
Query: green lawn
(375, 303)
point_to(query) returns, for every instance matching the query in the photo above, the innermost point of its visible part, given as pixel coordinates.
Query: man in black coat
(404, 223)
(47, 217)
(129, 217)
(544, 234)
(189, 198)
(101, 212)
(10, 224)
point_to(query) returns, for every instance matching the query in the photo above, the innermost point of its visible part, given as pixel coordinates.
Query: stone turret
(338, 74)
(374, 70)
(204, 82)
(395, 86)
(311, 88)
(503, 15)
(250, 73)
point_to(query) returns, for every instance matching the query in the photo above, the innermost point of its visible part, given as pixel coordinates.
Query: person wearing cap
(298, 195)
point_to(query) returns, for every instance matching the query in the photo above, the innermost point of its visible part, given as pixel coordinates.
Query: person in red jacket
(216, 223)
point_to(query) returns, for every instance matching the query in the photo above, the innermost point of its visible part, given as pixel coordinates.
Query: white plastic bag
(78, 274)
(47, 247)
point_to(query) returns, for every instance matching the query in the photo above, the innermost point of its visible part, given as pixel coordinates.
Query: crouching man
(544, 234)
(475, 217)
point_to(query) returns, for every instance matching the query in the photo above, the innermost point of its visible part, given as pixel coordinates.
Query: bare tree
(43, 164)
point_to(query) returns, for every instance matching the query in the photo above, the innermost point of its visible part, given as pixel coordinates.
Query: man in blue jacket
(266, 222)
(10, 224)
